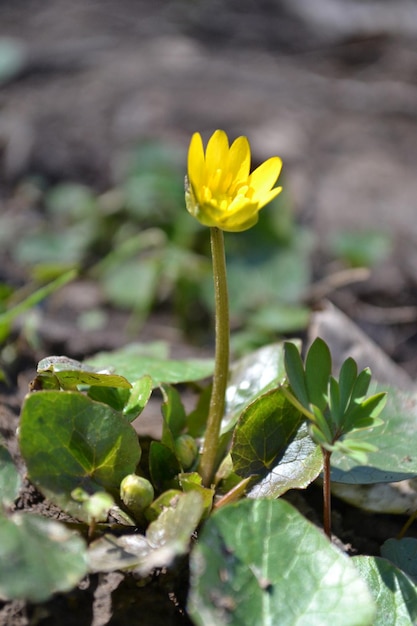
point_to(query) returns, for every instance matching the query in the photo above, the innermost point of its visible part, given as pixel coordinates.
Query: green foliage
(394, 593)
(361, 249)
(391, 458)
(271, 445)
(10, 481)
(260, 562)
(333, 407)
(79, 446)
(69, 441)
(38, 557)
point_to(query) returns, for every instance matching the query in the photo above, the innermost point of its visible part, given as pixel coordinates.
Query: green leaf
(251, 376)
(394, 593)
(70, 373)
(163, 466)
(365, 414)
(347, 377)
(395, 441)
(166, 538)
(139, 395)
(260, 562)
(295, 372)
(133, 362)
(361, 386)
(318, 367)
(335, 402)
(403, 554)
(271, 443)
(10, 480)
(173, 413)
(67, 441)
(38, 557)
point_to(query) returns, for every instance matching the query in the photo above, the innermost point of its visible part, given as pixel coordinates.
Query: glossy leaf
(260, 562)
(70, 373)
(395, 441)
(403, 554)
(252, 376)
(139, 395)
(394, 593)
(134, 361)
(271, 443)
(38, 557)
(68, 441)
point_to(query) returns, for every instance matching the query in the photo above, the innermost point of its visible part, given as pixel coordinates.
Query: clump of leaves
(83, 453)
(334, 408)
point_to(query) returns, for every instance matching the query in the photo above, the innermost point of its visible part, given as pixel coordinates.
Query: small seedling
(334, 408)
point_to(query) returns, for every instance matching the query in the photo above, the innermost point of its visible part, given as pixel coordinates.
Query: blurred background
(98, 101)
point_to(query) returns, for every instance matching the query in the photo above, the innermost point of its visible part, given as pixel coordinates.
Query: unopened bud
(186, 450)
(136, 493)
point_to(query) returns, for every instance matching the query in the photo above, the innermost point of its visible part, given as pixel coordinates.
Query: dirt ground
(332, 92)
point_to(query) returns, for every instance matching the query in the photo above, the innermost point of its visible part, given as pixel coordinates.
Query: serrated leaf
(296, 376)
(394, 593)
(38, 557)
(271, 443)
(403, 554)
(260, 562)
(395, 440)
(166, 538)
(318, 367)
(133, 362)
(10, 480)
(68, 441)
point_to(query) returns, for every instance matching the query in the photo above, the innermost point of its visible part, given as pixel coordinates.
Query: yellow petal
(264, 177)
(217, 153)
(239, 159)
(196, 162)
(266, 198)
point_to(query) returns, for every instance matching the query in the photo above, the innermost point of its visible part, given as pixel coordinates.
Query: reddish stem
(327, 505)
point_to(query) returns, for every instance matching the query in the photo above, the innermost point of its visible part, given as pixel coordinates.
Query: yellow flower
(220, 191)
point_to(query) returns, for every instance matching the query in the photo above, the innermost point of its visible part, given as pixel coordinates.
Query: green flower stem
(221, 365)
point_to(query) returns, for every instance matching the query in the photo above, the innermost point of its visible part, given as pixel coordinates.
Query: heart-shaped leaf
(394, 593)
(38, 557)
(271, 443)
(251, 376)
(403, 554)
(260, 562)
(133, 362)
(69, 441)
(395, 441)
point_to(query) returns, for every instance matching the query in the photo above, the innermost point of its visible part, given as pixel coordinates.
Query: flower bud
(136, 493)
(186, 450)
